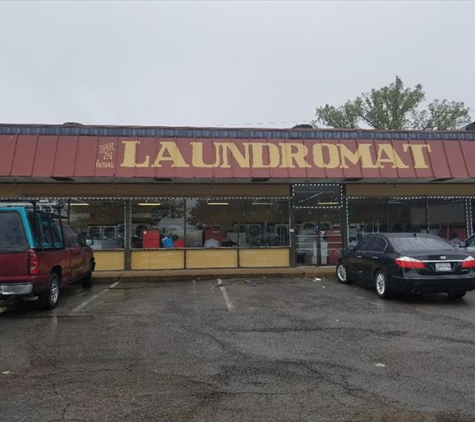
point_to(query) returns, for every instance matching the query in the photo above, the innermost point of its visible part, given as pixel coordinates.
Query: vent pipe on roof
(303, 126)
(72, 124)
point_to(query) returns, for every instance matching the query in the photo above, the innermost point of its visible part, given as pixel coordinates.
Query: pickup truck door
(73, 246)
(84, 254)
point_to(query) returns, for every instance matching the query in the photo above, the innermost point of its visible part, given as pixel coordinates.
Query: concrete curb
(203, 274)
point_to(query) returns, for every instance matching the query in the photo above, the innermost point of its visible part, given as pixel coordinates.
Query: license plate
(443, 266)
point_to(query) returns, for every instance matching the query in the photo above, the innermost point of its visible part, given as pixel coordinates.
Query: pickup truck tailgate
(13, 245)
(13, 264)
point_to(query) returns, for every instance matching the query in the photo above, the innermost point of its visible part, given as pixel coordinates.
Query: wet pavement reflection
(287, 349)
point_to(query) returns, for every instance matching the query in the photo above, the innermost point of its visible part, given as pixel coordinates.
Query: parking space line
(92, 298)
(229, 304)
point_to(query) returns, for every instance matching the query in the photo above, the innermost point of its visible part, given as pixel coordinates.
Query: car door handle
(359, 256)
(374, 257)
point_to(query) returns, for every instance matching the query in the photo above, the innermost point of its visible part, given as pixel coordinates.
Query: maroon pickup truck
(38, 256)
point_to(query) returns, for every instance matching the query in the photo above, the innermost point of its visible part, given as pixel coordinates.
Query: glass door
(318, 224)
(318, 236)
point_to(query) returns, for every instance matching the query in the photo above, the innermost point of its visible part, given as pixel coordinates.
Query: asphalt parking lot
(261, 349)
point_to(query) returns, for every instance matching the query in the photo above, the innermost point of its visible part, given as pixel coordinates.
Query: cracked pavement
(290, 349)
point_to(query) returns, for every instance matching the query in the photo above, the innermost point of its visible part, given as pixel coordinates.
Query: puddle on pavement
(403, 416)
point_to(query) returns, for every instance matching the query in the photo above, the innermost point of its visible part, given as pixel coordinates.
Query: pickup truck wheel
(50, 297)
(87, 281)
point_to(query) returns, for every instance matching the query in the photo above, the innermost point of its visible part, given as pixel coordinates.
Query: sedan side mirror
(351, 247)
(462, 245)
(89, 242)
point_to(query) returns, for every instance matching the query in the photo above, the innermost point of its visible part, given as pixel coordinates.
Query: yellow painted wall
(252, 258)
(211, 258)
(109, 260)
(201, 258)
(158, 260)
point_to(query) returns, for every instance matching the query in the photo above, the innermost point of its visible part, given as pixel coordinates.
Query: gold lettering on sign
(387, 154)
(333, 156)
(242, 158)
(418, 154)
(293, 153)
(197, 158)
(258, 155)
(362, 154)
(130, 154)
(169, 152)
(326, 155)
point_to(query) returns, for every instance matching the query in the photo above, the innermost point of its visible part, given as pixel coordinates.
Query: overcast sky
(223, 63)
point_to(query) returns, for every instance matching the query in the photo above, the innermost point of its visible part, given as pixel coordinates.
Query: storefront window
(406, 216)
(366, 216)
(447, 219)
(99, 220)
(267, 223)
(167, 223)
(442, 217)
(382, 215)
(243, 223)
(317, 196)
(158, 223)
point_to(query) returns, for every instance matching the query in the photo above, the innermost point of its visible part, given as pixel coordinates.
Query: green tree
(395, 107)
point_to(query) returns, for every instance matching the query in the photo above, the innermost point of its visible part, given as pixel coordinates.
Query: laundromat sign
(263, 158)
(262, 155)
(188, 158)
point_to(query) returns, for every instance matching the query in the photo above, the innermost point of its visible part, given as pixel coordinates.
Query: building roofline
(76, 129)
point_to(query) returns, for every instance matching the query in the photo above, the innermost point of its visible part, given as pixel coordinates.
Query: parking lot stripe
(92, 298)
(229, 304)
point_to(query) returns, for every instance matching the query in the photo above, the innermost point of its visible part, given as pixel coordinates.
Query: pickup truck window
(12, 233)
(72, 238)
(45, 230)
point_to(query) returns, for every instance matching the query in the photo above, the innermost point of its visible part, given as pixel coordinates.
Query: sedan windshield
(415, 243)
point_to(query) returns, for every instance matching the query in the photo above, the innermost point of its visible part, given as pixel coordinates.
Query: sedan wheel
(382, 288)
(341, 274)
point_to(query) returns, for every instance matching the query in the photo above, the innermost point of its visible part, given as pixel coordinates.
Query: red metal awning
(45, 156)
